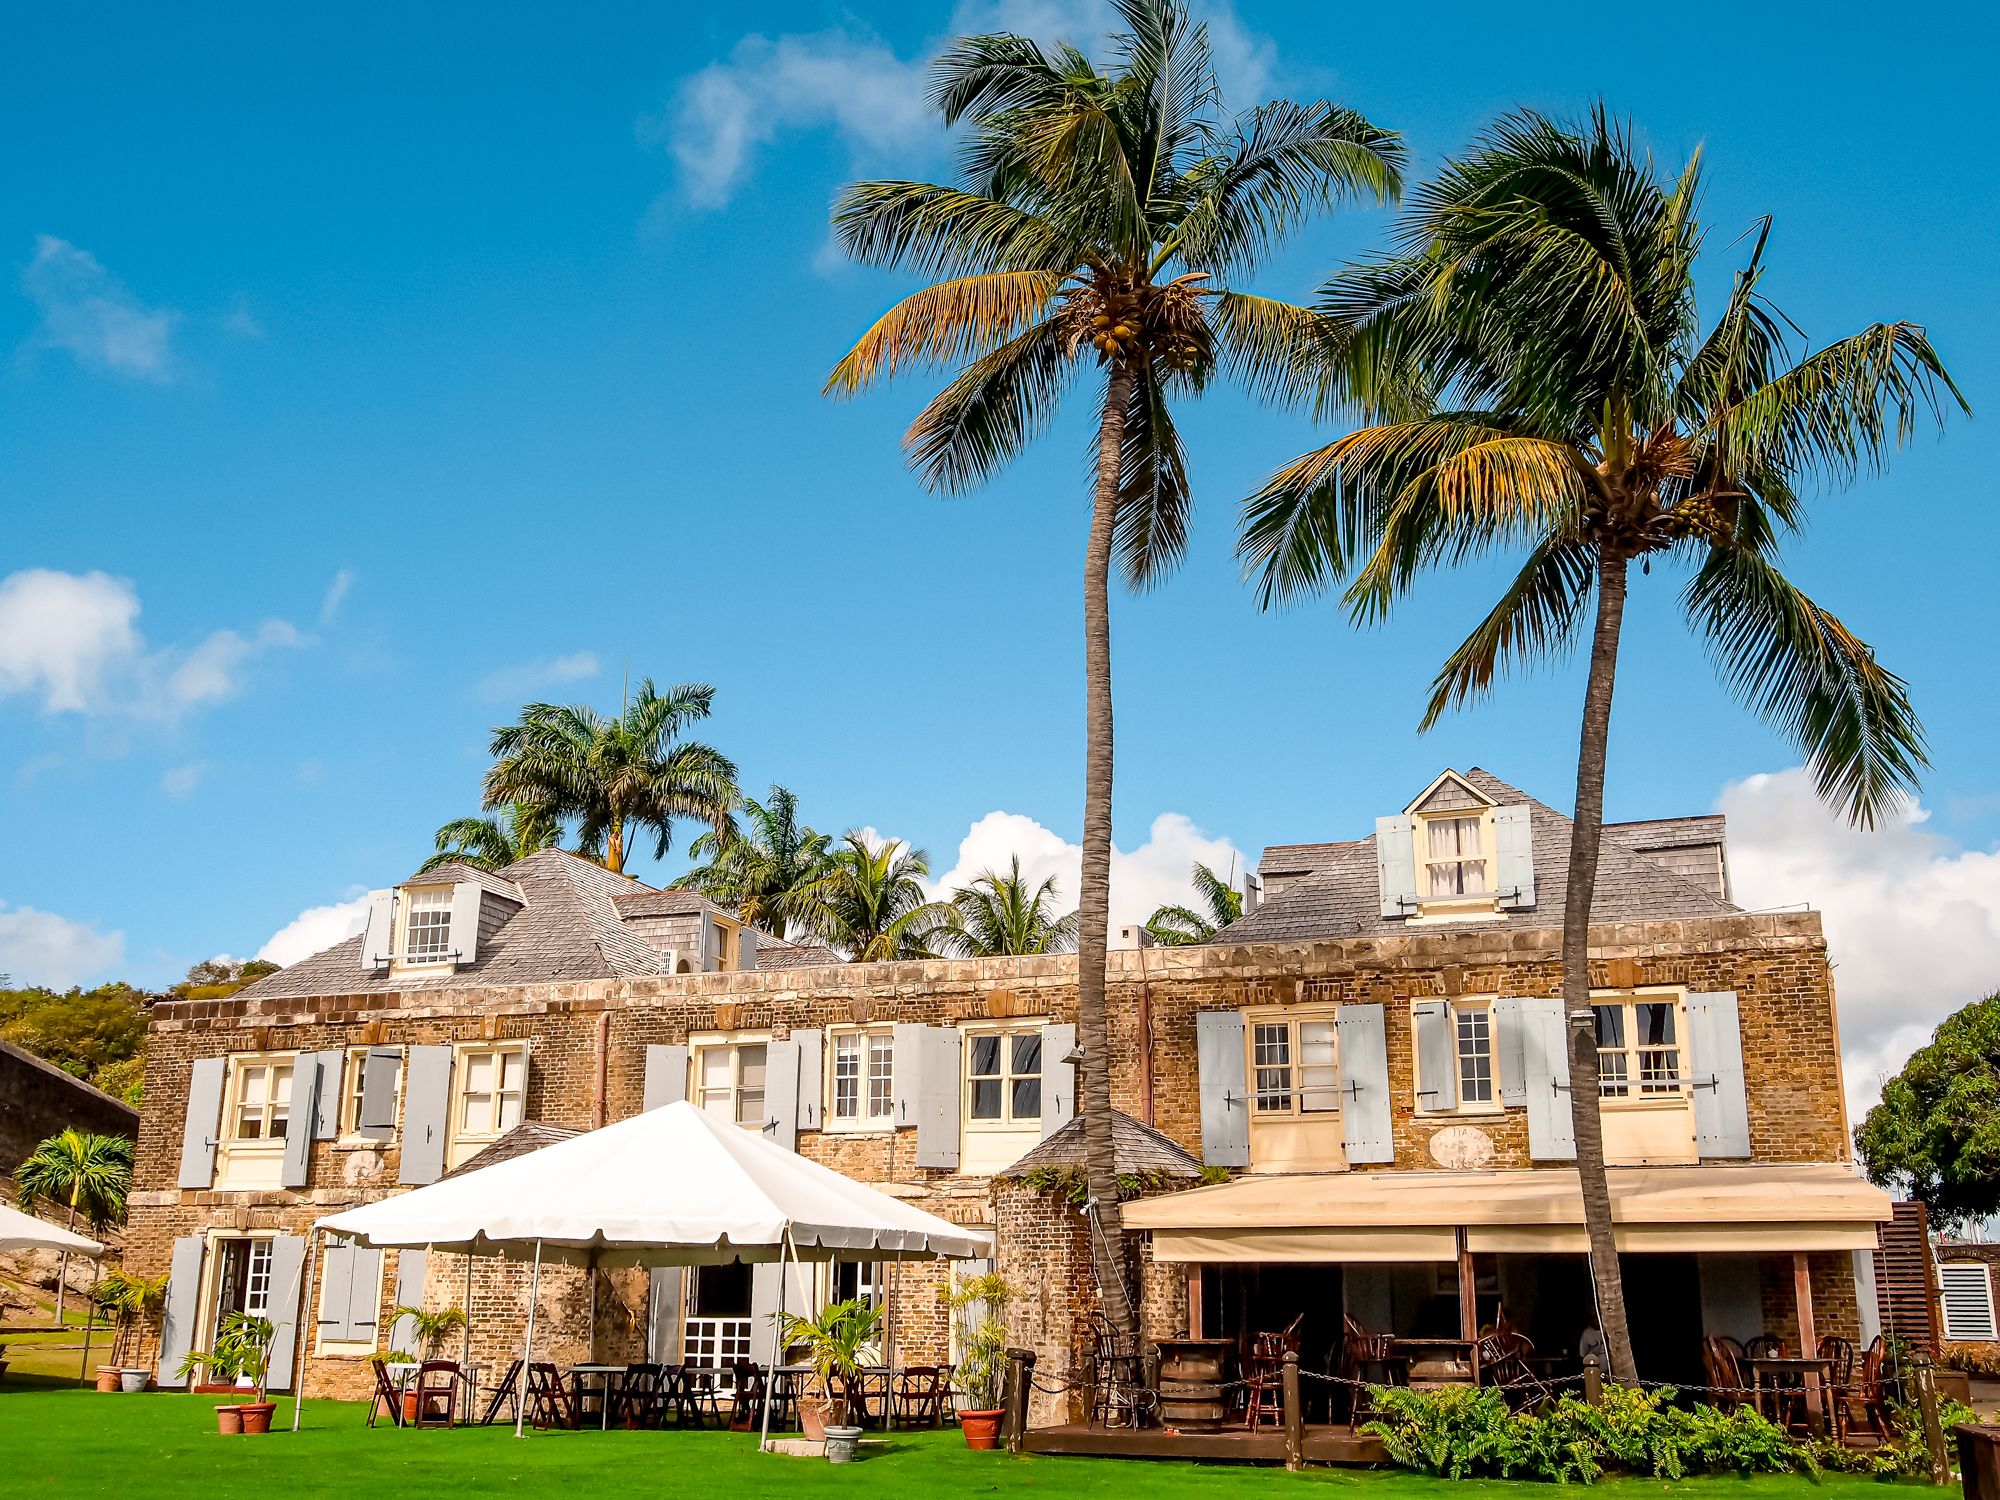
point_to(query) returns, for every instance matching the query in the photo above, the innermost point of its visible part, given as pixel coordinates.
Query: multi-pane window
(1454, 857)
(263, 1105)
(1294, 1067)
(1638, 1048)
(1003, 1076)
(864, 1072)
(730, 1082)
(489, 1092)
(427, 925)
(356, 1078)
(1473, 1036)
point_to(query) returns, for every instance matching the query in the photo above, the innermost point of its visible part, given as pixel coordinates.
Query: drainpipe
(601, 1104)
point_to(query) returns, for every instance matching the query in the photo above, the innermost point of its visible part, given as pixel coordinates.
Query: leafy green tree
(872, 904)
(615, 776)
(765, 864)
(521, 829)
(83, 1032)
(999, 914)
(1538, 380)
(1098, 214)
(218, 978)
(87, 1176)
(1936, 1133)
(1177, 926)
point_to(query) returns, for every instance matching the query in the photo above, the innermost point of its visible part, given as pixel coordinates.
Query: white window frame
(428, 899)
(872, 1045)
(1969, 1285)
(1296, 1097)
(1635, 1090)
(1006, 1120)
(484, 1134)
(241, 1064)
(1456, 904)
(700, 1046)
(1467, 1006)
(355, 1062)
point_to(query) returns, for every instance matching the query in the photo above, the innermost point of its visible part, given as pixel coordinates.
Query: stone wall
(38, 1099)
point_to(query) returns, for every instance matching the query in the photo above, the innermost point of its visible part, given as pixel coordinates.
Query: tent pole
(307, 1317)
(465, 1361)
(90, 1319)
(528, 1343)
(777, 1340)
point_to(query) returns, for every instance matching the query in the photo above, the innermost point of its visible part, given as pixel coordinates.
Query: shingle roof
(1341, 898)
(1667, 833)
(526, 1137)
(651, 903)
(456, 871)
(1136, 1148)
(773, 954)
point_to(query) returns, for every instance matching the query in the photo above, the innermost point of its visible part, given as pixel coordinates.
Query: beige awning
(1401, 1216)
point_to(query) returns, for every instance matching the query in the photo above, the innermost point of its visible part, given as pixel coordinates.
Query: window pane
(1027, 1053)
(1319, 1089)
(1475, 1057)
(716, 1068)
(479, 1073)
(1274, 1089)
(985, 1056)
(986, 1099)
(846, 1077)
(750, 1107)
(1610, 1025)
(1027, 1098)
(881, 1077)
(1655, 1024)
(753, 1066)
(1316, 1043)
(1273, 1045)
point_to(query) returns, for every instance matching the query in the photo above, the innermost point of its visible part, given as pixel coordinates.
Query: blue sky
(401, 364)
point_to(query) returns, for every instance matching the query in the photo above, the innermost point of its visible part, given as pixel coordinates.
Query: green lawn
(69, 1442)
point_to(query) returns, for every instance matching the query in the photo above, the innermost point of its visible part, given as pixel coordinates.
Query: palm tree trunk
(62, 1262)
(1586, 831)
(1093, 1031)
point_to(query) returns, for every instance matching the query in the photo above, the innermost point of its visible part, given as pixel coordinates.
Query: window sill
(1463, 1112)
(883, 1127)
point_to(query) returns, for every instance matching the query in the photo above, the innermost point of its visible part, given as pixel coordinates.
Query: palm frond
(939, 231)
(952, 320)
(1153, 498)
(990, 412)
(1536, 619)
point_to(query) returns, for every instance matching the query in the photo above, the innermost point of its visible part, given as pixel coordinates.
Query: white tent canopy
(19, 1231)
(673, 1186)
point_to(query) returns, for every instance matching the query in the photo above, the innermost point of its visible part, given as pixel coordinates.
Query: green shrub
(1454, 1431)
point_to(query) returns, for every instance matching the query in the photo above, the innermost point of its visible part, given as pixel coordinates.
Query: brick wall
(38, 1100)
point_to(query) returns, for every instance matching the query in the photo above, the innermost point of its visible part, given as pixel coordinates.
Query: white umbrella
(19, 1231)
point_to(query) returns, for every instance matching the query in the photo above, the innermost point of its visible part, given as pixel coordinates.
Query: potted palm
(207, 1369)
(128, 1300)
(246, 1340)
(833, 1343)
(430, 1330)
(979, 1304)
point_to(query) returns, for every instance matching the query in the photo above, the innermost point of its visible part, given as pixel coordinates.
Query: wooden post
(1808, 1340)
(1294, 1413)
(1194, 1299)
(1593, 1380)
(1927, 1405)
(1468, 1292)
(1020, 1381)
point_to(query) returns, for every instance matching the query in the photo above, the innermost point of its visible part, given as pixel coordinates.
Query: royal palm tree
(872, 905)
(764, 863)
(494, 843)
(87, 1176)
(1539, 381)
(1177, 926)
(615, 776)
(1098, 214)
(999, 914)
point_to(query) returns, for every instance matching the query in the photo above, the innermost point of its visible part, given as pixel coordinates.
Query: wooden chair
(549, 1403)
(1766, 1346)
(1117, 1378)
(1721, 1360)
(1263, 1375)
(918, 1396)
(1503, 1363)
(746, 1396)
(1369, 1358)
(388, 1400)
(509, 1391)
(436, 1388)
(1839, 1355)
(696, 1398)
(639, 1398)
(1864, 1393)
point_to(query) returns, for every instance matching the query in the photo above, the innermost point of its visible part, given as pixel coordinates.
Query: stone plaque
(1462, 1148)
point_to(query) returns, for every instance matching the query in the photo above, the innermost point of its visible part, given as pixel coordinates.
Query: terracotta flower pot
(812, 1418)
(257, 1415)
(108, 1377)
(229, 1420)
(981, 1428)
(409, 1408)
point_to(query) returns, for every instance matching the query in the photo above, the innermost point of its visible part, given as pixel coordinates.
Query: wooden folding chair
(549, 1403)
(509, 1391)
(388, 1400)
(919, 1396)
(436, 1390)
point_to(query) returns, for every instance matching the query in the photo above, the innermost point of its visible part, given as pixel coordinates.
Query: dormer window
(1455, 855)
(427, 925)
(423, 927)
(1455, 862)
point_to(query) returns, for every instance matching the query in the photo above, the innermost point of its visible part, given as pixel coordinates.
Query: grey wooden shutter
(663, 1315)
(937, 1096)
(746, 948)
(182, 1307)
(426, 1113)
(1545, 1072)
(203, 1121)
(326, 1112)
(288, 1261)
(1396, 866)
(464, 936)
(300, 1122)
(1058, 1078)
(527, 1078)
(711, 944)
(379, 1068)
(781, 1093)
(1715, 1067)
(1364, 1078)
(380, 932)
(666, 1076)
(763, 1305)
(1514, 851)
(1509, 1058)
(350, 1306)
(1437, 1078)
(1219, 1066)
(812, 1055)
(410, 1268)
(906, 1067)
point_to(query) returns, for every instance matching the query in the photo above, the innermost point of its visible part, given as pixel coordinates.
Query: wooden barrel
(1193, 1405)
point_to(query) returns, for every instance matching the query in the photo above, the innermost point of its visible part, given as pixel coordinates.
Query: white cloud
(547, 671)
(335, 596)
(314, 929)
(857, 85)
(179, 782)
(72, 638)
(39, 947)
(1912, 922)
(89, 312)
(1142, 879)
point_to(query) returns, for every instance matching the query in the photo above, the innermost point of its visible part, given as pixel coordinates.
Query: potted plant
(833, 1344)
(207, 1368)
(127, 1299)
(430, 1330)
(246, 1339)
(980, 1303)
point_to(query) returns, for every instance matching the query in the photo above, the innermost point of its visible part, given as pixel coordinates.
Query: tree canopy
(1936, 1133)
(1176, 926)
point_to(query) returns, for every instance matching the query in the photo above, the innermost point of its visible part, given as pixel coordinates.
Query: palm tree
(1177, 926)
(872, 904)
(1000, 914)
(765, 869)
(615, 776)
(1540, 380)
(88, 1176)
(1097, 213)
(494, 843)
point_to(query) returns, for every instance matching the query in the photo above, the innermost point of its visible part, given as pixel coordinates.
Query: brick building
(1372, 1054)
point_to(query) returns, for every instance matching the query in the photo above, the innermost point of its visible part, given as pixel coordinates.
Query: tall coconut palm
(872, 905)
(1097, 215)
(999, 914)
(615, 776)
(1541, 382)
(87, 1176)
(1177, 926)
(494, 843)
(764, 863)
